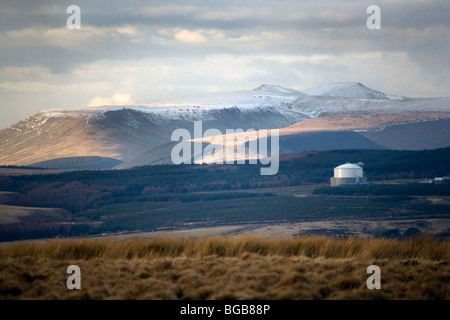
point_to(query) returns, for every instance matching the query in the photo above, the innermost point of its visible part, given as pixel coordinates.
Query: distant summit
(275, 89)
(355, 90)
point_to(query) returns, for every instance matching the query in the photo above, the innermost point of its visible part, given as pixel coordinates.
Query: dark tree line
(80, 190)
(388, 190)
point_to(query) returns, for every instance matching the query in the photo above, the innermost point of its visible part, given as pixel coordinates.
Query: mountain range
(336, 116)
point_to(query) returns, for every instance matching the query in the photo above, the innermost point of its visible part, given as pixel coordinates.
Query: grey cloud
(301, 28)
(415, 15)
(224, 14)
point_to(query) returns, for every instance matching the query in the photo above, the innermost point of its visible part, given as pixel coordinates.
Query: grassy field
(239, 207)
(11, 214)
(227, 268)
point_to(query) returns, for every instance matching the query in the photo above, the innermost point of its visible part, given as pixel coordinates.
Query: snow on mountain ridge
(263, 96)
(288, 103)
(195, 106)
(274, 88)
(355, 90)
(127, 132)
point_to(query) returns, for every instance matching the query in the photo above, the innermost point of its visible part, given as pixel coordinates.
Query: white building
(348, 173)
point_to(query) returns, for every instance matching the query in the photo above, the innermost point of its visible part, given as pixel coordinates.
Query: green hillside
(151, 197)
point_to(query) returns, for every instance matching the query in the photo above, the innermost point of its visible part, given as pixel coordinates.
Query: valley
(195, 198)
(109, 170)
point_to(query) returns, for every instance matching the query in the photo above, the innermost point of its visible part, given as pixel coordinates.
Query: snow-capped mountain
(353, 90)
(140, 134)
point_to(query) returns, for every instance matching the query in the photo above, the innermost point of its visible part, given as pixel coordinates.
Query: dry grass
(11, 214)
(227, 268)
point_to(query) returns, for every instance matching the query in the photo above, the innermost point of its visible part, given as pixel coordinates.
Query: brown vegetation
(361, 122)
(227, 268)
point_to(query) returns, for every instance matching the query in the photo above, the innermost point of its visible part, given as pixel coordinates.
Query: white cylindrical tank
(348, 170)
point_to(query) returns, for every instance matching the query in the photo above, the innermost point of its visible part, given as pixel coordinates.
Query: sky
(135, 52)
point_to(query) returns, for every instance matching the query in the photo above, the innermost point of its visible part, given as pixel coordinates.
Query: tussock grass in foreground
(244, 267)
(85, 249)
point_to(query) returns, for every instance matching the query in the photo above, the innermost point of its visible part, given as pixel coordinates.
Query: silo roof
(348, 166)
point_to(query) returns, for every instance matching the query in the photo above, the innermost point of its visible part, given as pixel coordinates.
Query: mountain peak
(355, 90)
(274, 88)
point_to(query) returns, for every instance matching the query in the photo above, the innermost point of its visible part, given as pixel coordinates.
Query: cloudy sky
(135, 52)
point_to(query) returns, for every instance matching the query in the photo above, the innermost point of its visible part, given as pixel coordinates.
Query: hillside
(186, 196)
(139, 135)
